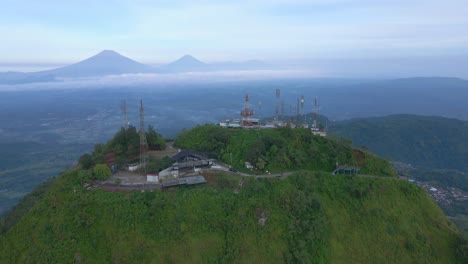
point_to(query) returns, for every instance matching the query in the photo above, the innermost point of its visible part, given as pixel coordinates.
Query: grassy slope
(428, 142)
(385, 221)
(313, 217)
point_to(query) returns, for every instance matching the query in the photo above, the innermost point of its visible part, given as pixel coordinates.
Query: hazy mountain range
(109, 62)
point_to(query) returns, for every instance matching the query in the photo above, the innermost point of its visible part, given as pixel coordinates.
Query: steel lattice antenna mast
(302, 105)
(143, 142)
(302, 110)
(277, 106)
(247, 113)
(123, 107)
(297, 111)
(315, 112)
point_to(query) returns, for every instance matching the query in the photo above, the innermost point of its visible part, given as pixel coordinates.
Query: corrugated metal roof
(194, 180)
(191, 180)
(184, 153)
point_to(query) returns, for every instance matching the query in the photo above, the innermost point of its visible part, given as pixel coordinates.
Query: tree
(101, 172)
(86, 161)
(155, 140)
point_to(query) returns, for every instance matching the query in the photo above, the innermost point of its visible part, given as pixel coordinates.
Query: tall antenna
(247, 113)
(123, 107)
(143, 142)
(302, 109)
(277, 106)
(302, 106)
(297, 111)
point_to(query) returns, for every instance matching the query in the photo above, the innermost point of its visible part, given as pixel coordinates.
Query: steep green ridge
(428, 141)
(310, 218)
(278, 150)
(26, 203)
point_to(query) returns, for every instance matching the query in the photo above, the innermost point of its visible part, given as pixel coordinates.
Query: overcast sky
(49, 31)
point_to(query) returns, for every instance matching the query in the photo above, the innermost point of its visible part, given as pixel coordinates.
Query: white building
(152, 178)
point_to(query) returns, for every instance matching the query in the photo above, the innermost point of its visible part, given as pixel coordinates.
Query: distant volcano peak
(189, 58)
(106, 62)
(185, 63)
(108, 53)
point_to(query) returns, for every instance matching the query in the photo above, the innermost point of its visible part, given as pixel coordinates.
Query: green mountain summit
(310, 216)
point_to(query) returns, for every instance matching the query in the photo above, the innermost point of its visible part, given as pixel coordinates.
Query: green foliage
(428, 141)
(309, 218)
(156, 165)
(208, 138)
(86, 161)
(23, 207)
(436, 147)
(101, 172)
(308, 237)
(155, 140)
(276, 150)
(125, 144)
(462, 250)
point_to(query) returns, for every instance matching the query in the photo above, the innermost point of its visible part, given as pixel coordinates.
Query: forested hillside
(428, 141)
(279, 150)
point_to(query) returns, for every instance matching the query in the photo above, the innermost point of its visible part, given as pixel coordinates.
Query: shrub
(101, 172)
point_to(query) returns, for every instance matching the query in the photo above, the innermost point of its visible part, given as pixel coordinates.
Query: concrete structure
(134, 166)
(152, 178)
(248, 165)
(230, 123)
(169, 173)
(318, 132)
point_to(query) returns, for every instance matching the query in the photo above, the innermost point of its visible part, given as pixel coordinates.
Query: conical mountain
(106, 62)
(185, 63)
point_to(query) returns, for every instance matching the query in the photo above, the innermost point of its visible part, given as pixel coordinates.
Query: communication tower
(143, 142)
(302, 112)
(298, 111)
(277, 107)
(123, 107)
(247, 113)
